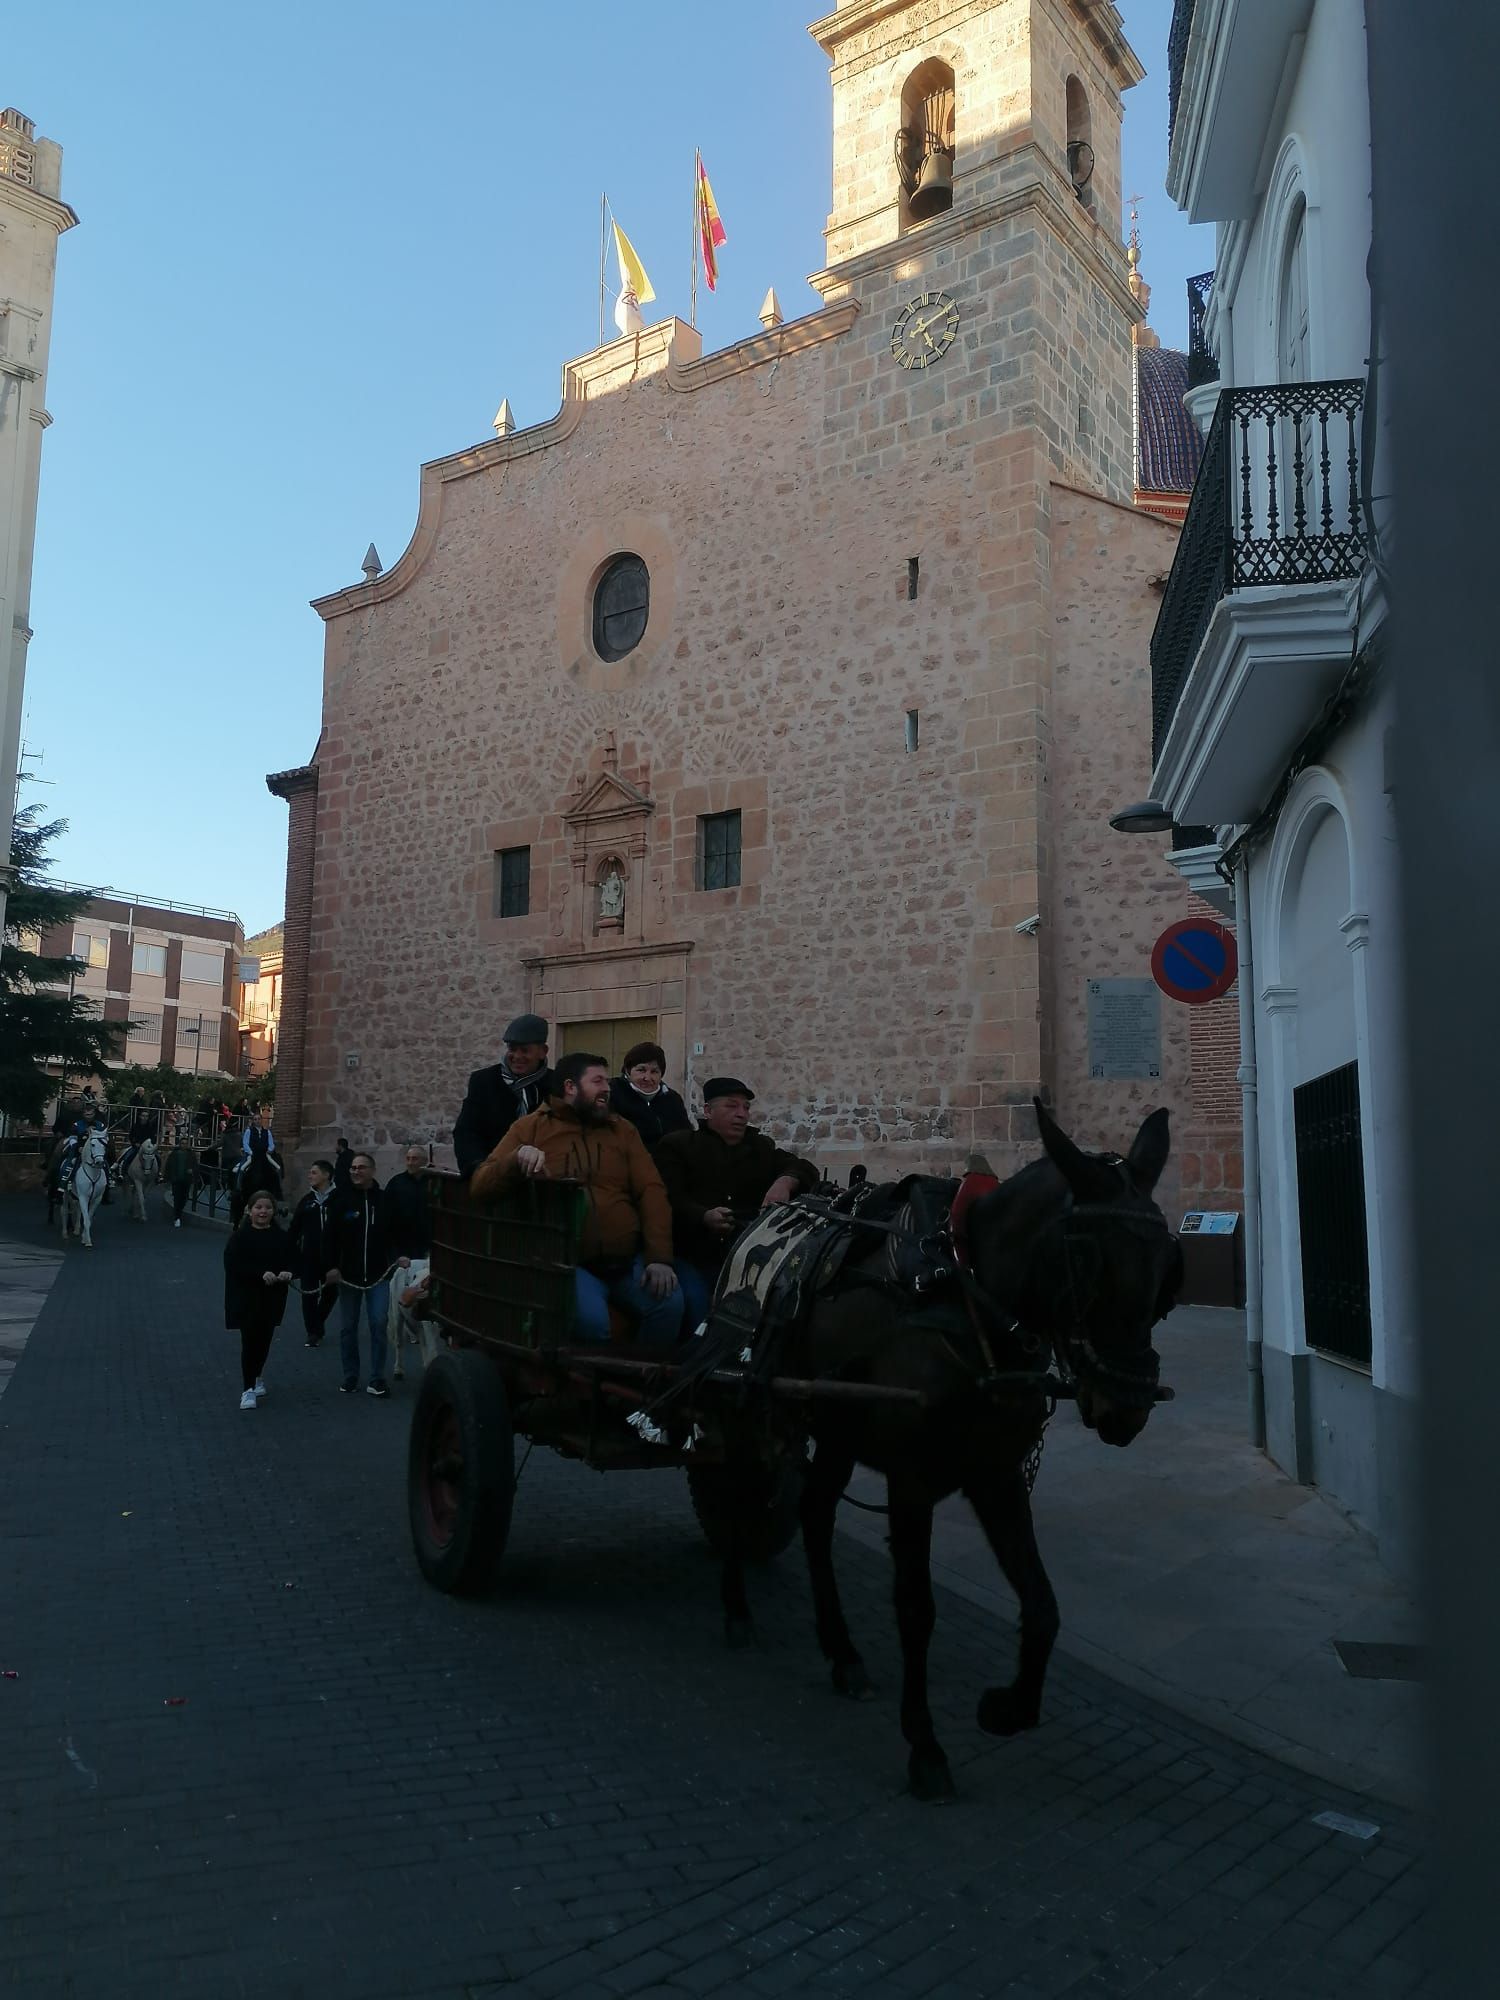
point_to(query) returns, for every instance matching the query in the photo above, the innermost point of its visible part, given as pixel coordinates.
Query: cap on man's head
(727, 1086)
(526, 1028)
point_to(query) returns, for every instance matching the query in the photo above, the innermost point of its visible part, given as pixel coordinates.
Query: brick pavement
(569, 1788)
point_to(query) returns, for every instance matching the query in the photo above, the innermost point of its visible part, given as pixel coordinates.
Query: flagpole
(603, 256)
(694, 309)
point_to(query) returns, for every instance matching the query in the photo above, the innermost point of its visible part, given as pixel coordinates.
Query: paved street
(249, 1751)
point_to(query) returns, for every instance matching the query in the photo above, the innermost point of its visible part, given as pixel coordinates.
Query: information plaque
(1124, 1028)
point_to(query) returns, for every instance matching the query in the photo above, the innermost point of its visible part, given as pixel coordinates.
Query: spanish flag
(635, 287)
(710, 228)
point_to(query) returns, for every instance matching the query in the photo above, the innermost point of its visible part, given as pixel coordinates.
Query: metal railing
(1202, 365)
(1276, 501)
(1177, 44)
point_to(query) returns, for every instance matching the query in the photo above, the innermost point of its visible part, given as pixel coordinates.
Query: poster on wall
(1124, 1018)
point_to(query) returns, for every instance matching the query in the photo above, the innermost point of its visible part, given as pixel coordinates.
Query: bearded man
(625, 1257)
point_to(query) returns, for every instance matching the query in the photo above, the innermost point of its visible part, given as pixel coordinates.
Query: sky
(317, 245)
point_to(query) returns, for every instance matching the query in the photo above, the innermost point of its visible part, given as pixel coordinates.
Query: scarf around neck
(520, 1085)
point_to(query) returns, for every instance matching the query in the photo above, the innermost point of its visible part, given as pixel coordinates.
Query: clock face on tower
(924, 330)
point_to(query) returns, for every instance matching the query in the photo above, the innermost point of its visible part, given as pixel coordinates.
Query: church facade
(772, 701)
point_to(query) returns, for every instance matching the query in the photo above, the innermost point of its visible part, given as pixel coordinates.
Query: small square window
(512, 890)
(94, 951)
(149, 958)
(719, 851)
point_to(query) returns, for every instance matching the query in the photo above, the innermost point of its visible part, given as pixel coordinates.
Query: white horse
(144, 1170)
(409, 1325)
(86, 1186)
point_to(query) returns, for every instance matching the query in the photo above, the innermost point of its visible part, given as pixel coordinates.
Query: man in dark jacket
(406, 1206)
(718, 1178)
(520, 1083)
(364, 1253)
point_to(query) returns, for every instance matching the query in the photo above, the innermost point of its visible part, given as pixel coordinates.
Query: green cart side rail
(502, 1269)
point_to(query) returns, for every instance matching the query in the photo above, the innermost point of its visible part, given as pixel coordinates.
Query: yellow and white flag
(635, 287)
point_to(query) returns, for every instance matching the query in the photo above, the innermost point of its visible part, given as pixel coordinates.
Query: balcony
(1226, 67)
(1256, 623)
(1203, 366)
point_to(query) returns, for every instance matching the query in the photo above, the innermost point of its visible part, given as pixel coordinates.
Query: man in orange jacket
(626, 1254)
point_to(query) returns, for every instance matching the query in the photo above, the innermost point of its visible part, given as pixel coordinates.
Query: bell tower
(940, 104)
(976, 150)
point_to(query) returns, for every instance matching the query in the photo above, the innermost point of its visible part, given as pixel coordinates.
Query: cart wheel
(460, 1473)
(765, 1503)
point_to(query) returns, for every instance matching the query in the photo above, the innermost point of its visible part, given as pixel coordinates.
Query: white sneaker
(260, 1389)
(247, 1401)
(178, 1223)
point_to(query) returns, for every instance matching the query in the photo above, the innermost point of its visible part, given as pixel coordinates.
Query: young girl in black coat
(257, 1270)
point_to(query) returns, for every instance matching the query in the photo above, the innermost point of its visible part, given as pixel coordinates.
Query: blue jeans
(658, 1320)
(377, 1307)
(697, 1289)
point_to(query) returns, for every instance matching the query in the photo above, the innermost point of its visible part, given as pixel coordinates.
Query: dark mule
(1067, 1265)
(259, 1175)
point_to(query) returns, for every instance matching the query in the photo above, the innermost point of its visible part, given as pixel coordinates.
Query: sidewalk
(26, 1275)
(1188, 1567)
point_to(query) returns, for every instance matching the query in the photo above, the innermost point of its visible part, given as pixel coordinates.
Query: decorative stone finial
(770, 311)
(372, 565)
(505, 423)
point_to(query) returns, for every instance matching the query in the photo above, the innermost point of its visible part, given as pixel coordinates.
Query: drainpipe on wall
(1250, 1122)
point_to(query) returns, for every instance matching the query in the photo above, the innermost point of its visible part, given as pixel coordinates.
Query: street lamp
(1148, 817)
(197, 1035)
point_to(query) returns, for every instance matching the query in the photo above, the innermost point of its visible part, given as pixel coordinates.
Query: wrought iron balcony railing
(1202, 366)
(1177, 41)
(1276, 501)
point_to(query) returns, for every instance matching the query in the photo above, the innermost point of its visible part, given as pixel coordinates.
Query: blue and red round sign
(1195, 961)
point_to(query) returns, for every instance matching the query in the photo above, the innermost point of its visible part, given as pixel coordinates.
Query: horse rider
(625, 1256)
(143, 1123)
(718, 1178)
(519, 1084)
(257, 1137)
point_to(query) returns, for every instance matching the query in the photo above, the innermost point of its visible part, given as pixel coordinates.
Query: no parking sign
(1195, 961)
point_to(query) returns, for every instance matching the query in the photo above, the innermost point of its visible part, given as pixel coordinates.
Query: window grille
(512, 897)
(719, 851)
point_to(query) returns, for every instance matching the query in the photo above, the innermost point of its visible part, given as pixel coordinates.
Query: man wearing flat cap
(718, 1178)
(509, 1089)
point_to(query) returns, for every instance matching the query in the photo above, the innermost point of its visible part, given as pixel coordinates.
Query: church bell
(933, 193)
(924, 155)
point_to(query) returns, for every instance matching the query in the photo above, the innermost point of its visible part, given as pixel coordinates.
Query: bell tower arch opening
(1080, 142)
(926, 143)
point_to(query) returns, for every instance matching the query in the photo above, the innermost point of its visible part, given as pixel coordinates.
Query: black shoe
(348, 1387)
(315, 1340)
(376, 1388)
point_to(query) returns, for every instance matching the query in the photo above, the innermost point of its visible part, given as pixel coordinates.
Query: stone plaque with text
(1124, 1028)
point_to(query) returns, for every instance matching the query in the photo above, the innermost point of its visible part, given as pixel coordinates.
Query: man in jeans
(364, 1255)
(625, 1258)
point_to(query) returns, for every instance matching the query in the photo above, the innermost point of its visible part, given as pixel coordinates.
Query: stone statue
(612, 894)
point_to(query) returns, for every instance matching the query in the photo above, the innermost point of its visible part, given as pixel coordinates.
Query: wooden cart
(502, 1291)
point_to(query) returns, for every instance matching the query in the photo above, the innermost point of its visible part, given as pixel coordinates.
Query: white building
(32, 217)
(1273, 723)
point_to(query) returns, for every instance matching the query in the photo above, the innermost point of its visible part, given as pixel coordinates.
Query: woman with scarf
(312, 1245)
(639, 1094)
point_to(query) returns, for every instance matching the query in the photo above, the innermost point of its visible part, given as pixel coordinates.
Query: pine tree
(41, 1021)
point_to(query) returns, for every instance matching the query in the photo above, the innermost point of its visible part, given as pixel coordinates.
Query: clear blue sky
(319, 243)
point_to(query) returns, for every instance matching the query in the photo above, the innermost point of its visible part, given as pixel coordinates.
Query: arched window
(1080, 142)
(622, 606)
(926, 143)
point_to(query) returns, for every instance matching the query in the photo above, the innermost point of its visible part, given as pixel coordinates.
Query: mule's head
(1083, 1256)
